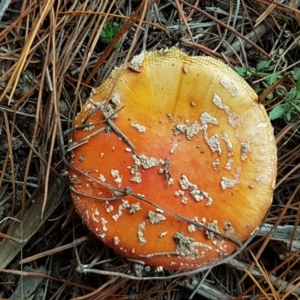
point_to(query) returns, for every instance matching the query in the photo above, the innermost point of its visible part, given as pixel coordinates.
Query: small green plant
(109, 32)
(291, 99)
(291, 104)
(261, 70)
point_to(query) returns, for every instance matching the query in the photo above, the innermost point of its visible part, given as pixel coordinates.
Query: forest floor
(52, 54)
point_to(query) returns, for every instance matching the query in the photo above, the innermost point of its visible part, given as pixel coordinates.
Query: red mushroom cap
(174, 161)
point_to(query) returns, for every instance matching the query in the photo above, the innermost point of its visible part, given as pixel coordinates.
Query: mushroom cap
(200, 178)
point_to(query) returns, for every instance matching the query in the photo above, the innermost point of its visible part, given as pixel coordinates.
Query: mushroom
(173, 161)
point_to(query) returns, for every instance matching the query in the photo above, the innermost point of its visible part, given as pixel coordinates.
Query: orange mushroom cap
(174, 161)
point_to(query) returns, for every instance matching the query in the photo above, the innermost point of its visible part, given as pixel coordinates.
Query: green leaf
(241, 71)
(270, 96)
(263, 64)
(258, 91)
(296, 73)
(244, 72)
(105, 40)
(118, 45)
(116, 29)
(291, 94)
(298, 86)
(109, 32)
(278, 111)
(288, 115)
(272, 79)
(297, 97)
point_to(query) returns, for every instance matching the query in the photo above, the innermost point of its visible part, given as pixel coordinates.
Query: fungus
(144, 199)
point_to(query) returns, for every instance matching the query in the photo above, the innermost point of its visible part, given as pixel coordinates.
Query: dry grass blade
(292, 291)
(269, 90)
(30, 223)
(227, 27)
(266, 277)
(128, 24)
(55, 250)
(32, 274)
(297, 13)
(98, 292)
(182, 17)
(258, 285)
(56, 115)
(265, 14)
(281, 6)
(11, 156)
(23, 58)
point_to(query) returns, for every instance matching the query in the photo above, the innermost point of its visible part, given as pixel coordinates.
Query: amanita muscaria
(173, 160)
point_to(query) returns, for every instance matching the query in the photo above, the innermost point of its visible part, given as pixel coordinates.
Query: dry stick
(117, 130)
(108, 119)
(192, 11)
(227, 27)
(76, 242)
(88, 116)
(282, 6)
(265, 14)
(219, 34)
(84, 140)
(207, 290)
